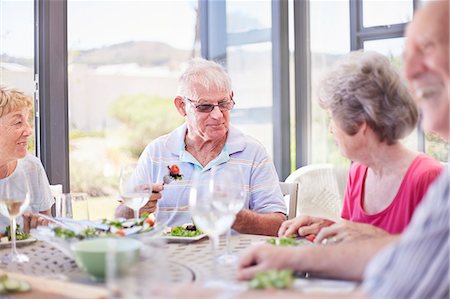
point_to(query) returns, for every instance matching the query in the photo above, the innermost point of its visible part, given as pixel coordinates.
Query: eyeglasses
(207, 108)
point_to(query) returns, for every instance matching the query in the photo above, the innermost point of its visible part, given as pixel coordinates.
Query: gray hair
(208, 74)
(364, 86)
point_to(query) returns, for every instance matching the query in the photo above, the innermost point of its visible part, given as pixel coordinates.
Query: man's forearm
(344, 260)
(249, 222)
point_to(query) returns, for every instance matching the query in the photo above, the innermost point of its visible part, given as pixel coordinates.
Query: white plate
(175, 239)
(18, 242)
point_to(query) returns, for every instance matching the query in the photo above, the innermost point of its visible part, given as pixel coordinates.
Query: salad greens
(20, 234)
(180, 231)
(288, 241)
(68, 234)
(120, 224)
(274, 279)
(11, 285)
(113, 228)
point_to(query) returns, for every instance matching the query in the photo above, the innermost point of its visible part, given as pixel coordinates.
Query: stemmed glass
(212, 210)
(231, 177)
(135, 190)
(14, 200)
(135, 187)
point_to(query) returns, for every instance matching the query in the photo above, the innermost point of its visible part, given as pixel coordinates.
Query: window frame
(51, 90)
(360, 34)
(51, 94)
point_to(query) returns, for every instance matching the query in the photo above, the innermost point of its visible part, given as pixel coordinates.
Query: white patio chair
(56, 190)
(289, 191)
(320, 193)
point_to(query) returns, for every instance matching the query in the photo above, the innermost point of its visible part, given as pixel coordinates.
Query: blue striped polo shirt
(261, 180)
(417, 266)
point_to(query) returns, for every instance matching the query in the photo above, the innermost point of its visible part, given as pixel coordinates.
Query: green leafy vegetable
(284, 241)
(20, 234)
(12, 285)
(68, 234)
(274, 279)
(179, 231)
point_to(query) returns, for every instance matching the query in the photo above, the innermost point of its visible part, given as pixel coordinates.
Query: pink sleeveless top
(395, 217)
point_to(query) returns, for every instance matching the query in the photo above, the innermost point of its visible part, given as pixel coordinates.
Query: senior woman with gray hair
(371, 110)
(206, 139)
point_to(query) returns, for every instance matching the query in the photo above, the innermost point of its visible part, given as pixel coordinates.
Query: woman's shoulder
(425, 163)
(30, 161)
(424, 168)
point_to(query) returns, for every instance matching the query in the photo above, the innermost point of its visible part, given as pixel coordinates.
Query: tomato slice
(310, 237)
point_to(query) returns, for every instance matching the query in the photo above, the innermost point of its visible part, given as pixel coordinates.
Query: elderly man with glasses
(206, 139)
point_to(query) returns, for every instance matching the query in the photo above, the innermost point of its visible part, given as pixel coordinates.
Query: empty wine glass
(212, 210)
(230, 176)
(14, 200)
(135, 187)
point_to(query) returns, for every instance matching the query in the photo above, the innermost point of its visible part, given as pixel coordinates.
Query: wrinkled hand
(150, 206)
(345, 230)
(303, 226)
(31, 220)
(263, 258)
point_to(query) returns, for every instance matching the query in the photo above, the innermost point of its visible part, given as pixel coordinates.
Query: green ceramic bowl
(91, 255)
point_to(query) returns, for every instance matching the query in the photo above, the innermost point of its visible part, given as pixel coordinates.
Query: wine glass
(230, 176)
(14, 200)
(135, 187)
(212, 211)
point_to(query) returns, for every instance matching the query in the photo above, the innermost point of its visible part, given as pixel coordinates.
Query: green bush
(89, 178)
(145, 118)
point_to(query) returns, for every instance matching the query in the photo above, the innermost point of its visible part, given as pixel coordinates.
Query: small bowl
(91, 255)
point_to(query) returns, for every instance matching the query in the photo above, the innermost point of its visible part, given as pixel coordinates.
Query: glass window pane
(125, 58)
(17, 48)
(250, 67)
(390, 47)
(326, 48)
(382, 12)
(243, 16)
(437, 147)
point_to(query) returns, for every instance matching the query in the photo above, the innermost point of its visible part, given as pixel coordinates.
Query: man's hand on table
(263, 258)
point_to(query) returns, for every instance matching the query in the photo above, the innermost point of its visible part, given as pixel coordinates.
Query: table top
(186, 261)
(183, 262)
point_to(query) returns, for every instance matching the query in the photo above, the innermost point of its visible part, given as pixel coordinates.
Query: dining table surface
(185, 262)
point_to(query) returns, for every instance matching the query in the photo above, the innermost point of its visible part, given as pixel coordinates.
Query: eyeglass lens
(225, 106)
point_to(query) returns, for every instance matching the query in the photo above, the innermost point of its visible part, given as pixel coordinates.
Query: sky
(97, 23)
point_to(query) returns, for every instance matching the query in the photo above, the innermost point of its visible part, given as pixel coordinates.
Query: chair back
(320, 193)
(56, 190)
(289, 191)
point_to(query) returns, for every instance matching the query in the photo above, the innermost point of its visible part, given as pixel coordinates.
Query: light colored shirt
(41, 198)
(417, 266)
(397, 215)
(261, 180)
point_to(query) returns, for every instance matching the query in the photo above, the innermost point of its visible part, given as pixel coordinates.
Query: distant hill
(28, 62)
(142, 53)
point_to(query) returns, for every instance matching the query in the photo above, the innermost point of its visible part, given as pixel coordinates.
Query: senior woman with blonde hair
(15, 109)
(371, 110)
